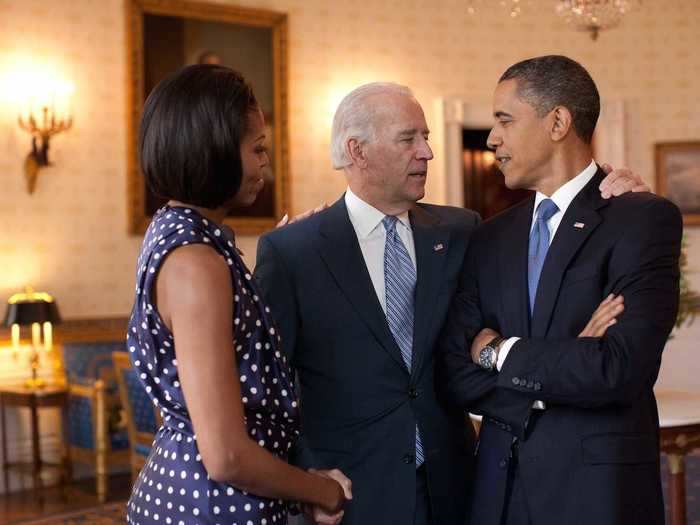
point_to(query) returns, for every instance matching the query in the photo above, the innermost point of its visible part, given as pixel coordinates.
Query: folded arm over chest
(460, 381)
(613, 369)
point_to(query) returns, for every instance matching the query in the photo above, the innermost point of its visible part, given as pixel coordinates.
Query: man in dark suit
(360, 292)
(570, 427)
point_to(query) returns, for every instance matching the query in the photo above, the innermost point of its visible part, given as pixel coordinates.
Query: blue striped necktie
(399, 285)
(539, 244)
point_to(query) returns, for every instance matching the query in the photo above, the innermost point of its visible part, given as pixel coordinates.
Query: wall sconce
(46, 112)
(38, 310)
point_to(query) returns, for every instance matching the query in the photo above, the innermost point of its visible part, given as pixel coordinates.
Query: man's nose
(424, 151)
(493, 140)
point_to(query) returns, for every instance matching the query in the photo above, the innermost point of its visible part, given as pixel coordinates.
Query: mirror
(165, 35)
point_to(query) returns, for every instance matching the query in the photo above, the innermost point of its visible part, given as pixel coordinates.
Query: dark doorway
(484, 188)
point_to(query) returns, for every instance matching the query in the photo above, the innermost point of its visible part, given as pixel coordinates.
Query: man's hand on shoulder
(619, 181)
(308, 213)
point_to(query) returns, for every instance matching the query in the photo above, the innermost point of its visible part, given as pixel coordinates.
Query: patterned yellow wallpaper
(70, 238)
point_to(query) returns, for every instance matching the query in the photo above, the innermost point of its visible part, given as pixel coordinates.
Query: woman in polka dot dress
(200, 336)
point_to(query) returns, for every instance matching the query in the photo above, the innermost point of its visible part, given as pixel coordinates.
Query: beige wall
(70, 236)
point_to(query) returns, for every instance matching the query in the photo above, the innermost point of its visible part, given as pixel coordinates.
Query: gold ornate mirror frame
(196, 12)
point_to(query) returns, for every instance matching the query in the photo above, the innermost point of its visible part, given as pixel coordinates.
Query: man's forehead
(506, 92)
(402, 115)
(409, 131)
(394, 104)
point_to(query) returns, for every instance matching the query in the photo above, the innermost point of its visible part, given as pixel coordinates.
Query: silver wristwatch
(489, 354)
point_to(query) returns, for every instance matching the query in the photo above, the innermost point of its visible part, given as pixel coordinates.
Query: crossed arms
(586, 372)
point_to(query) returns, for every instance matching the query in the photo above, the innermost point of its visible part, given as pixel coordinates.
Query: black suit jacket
(592, 456)
(359, 403)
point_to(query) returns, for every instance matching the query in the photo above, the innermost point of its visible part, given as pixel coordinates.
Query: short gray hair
(355, 118)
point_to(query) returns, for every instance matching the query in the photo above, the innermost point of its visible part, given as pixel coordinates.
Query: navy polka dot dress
(173, 487)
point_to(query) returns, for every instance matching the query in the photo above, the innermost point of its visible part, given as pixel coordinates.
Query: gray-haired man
(360, 292)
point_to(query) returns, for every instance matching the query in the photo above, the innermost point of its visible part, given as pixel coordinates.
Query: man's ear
(356, 151)
(561, 123)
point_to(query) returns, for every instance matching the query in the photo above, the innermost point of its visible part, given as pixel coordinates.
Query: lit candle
(36, 335)
(15, 338)
(48, 336)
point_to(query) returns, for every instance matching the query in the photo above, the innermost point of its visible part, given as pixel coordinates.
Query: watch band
(495, 343)
(488, 356)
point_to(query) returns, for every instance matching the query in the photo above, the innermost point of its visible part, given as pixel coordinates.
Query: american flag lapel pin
(579, 225)
(438, 247)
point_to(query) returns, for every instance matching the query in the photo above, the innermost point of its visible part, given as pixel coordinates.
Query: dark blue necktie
(539, 244)
(399, 287)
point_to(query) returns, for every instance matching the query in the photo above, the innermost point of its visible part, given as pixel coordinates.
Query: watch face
(486, 357)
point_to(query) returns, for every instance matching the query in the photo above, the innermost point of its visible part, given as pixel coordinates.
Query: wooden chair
(142, 418)
(94, 434)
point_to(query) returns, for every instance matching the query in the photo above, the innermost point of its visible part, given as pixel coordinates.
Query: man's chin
(512, 182)
(418, 194)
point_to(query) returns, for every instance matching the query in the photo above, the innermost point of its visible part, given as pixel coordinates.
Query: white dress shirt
(367, 222)
(562, 198)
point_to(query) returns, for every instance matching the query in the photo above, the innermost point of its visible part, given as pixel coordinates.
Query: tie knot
(389, 222)
(546, 209)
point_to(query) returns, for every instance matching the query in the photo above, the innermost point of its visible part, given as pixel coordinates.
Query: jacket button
(538, 386)
(408, 458)
(516, 381)
(413, 393)
(502, 463)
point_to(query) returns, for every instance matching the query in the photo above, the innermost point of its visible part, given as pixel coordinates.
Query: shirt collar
(567, 193)
(365, 217)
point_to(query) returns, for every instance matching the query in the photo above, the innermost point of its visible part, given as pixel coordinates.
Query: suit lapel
(513, 271)
(338, 247)
(579, 221)
(431, 243)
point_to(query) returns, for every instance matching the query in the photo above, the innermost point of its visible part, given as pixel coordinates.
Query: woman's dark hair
(191, 131)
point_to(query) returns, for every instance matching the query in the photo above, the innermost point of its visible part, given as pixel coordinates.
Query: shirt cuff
(503, 353)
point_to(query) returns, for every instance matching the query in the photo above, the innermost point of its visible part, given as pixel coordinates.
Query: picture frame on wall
(678, 177)
(166, 35)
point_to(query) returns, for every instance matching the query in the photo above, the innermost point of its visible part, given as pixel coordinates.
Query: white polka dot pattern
(174, 487)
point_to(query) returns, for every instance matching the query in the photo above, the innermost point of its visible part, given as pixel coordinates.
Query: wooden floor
(20, 506)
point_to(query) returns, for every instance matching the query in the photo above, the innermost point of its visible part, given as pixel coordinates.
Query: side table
(679, 419)
(34, 399)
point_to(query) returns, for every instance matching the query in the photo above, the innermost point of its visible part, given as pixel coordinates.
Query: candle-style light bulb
(36, 335)
(15, 339)
(48, 336)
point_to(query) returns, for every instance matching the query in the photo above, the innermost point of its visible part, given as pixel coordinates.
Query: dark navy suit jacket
(592, 456)
(359, 403)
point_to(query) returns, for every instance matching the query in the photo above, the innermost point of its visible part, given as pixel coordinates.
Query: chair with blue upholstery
(95, 435)
(142, 418)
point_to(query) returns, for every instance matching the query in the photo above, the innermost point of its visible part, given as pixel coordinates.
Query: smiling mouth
(502, 160)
